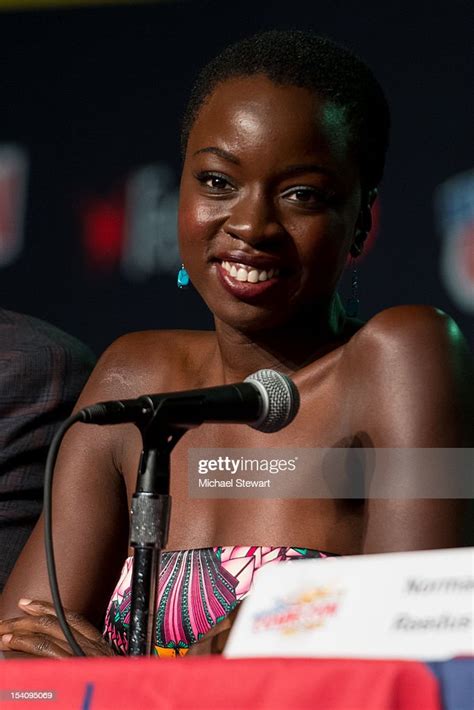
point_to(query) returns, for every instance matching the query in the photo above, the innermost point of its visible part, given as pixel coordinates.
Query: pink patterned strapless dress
(197, 589)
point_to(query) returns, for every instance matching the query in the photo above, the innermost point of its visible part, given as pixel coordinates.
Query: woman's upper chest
(323, 419)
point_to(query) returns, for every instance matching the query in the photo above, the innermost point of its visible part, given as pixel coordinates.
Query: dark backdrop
(92, 99)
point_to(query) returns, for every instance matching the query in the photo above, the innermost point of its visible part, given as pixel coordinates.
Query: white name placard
(404, 605)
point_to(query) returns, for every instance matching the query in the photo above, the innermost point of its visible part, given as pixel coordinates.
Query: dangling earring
(183, 278)
(352, 303)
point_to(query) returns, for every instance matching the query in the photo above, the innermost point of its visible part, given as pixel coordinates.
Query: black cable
(48, 535)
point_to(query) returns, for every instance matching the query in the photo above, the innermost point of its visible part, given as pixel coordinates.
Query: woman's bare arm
(416, 382)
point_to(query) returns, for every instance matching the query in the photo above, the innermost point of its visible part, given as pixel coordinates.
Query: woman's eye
(307, 196)
(218, 183)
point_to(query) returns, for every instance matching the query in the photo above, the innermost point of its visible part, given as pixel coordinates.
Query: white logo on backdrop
(454, 204)
(151, 207)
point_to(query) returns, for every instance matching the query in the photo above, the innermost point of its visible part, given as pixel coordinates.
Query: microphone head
(281, 400)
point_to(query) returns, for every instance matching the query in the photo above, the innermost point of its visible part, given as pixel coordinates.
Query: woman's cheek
(196, 231)
(196, 221)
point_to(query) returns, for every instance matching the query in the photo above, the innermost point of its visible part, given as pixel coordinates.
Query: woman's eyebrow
(220, 152)
(287, 172)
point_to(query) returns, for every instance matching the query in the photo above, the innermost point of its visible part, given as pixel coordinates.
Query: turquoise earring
(183, 278)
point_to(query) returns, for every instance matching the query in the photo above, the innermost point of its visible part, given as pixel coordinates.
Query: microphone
(267, 400)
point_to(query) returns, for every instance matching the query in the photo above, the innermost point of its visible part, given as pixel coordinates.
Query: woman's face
(270, 196)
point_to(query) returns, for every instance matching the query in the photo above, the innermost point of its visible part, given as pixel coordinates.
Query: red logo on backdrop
(103, 225)
(13, 179)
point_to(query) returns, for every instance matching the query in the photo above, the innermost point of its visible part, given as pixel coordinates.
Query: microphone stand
(150, 515)
(151, 502)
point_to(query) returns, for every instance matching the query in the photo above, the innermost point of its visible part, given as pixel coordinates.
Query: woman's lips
(245, 290)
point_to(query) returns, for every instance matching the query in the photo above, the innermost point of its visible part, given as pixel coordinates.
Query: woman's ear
(372, 196)
(364, 222)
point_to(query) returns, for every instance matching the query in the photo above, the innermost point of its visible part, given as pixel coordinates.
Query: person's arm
(90, 511)
(42, 374)
(415, 382)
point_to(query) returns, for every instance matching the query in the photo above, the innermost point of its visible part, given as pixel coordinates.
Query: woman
(285, 138)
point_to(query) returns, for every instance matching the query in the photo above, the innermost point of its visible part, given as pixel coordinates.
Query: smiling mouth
(245, 273)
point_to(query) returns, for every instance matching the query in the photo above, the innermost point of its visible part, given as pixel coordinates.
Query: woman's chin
(251, 321)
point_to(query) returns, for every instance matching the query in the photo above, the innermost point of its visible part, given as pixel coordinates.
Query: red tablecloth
(214, 682)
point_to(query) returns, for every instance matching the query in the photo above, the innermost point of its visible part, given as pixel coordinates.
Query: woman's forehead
(254, 112)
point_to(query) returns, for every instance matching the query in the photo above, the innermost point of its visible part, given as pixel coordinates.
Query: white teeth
(242, 272)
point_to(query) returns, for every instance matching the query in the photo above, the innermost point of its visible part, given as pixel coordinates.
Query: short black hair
(304, 59)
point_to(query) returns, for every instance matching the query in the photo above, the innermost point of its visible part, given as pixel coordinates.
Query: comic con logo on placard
(13, 178)
(454, 207)
(297, 613)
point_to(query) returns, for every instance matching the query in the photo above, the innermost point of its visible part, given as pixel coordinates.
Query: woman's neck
(286, 349)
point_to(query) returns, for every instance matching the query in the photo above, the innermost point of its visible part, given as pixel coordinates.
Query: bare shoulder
(411, 331)
(413, 376)
(146, 361)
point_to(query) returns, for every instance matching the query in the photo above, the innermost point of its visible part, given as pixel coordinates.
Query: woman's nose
(254, 218)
